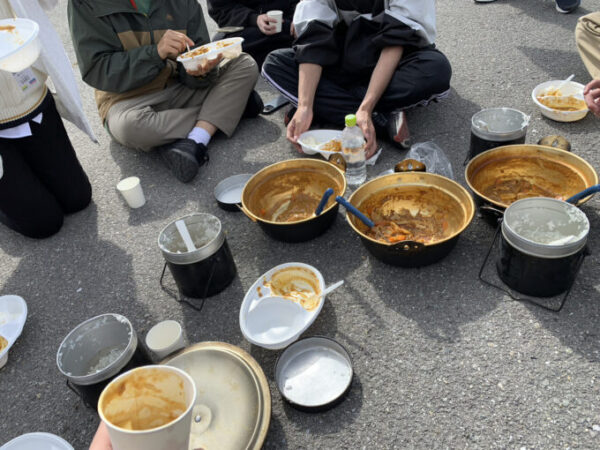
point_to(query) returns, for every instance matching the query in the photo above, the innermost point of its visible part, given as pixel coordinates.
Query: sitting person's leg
(587, 35)
(26, 206)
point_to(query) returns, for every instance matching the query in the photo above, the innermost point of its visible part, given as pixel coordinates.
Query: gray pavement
(440, 360)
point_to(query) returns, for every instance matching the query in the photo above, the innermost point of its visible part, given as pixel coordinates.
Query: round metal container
(106, 338)
(233, 405)
(228, 192)
(205, 271)
(542, 244)
(494, 127)
(314, 374)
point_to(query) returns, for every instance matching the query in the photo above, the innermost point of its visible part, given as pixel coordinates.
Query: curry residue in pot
(412, 213)
(291, 196)
(506, 180)
(297, 284)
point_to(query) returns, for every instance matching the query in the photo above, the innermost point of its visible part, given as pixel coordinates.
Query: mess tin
(282, 198)
(432, 210)
(500, 176)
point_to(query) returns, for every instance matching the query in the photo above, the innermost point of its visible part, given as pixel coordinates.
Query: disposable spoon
(185, 235)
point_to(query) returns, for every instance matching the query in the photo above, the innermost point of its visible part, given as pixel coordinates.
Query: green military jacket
(116, 46)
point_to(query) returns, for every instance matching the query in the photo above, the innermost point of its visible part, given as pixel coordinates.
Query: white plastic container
(19, 44)
(131, 190)
(13, 313)
(569, 88)
(312, 141)
(37, 441)
(230, 48)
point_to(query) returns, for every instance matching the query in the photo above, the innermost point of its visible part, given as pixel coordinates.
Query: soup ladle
(583, 194)
(352, 209)
(328, 193)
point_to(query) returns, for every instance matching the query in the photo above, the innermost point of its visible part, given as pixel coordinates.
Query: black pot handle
(489, 209)
(408, 247)
(183, 300)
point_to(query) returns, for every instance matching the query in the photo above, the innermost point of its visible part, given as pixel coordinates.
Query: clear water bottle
(353, 149)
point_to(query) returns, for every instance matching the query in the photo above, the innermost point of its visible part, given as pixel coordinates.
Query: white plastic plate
(230, 48)
(265, 325)
(37, 441)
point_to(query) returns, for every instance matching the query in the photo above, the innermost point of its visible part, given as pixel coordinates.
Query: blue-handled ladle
(351, 208)
(328, 193)
(583, 194)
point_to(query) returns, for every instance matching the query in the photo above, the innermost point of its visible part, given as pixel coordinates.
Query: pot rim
(501, 136)
(481, 155)
(325, 211)
(468, 217)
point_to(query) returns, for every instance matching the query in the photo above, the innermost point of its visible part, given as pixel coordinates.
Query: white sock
(199, 136)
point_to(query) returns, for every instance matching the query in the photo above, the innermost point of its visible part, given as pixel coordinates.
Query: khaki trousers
(587, 35)
(162, 117)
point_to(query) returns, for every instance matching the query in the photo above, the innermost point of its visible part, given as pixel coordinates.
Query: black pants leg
(257, 44)
(42, 179)
(421, 76)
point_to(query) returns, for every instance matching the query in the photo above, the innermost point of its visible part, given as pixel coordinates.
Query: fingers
(591, 85)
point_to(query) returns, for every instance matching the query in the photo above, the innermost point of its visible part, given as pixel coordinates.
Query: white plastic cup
(149, 408)
(131, 190)
(165, 338)
(276, 14)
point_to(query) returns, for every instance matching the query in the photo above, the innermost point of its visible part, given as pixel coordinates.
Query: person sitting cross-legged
(375, 59)
(127, 50)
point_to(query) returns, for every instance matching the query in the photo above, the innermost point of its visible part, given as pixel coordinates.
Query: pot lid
(205, 232)
(229, 191)
(545, 227)
(233, 405)
(499, 124)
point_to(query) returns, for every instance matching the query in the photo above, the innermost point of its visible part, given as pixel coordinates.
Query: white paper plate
(19, 44)
(279, 336)
(37, 441)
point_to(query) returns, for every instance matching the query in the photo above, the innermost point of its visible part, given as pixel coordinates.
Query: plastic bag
(433, 157)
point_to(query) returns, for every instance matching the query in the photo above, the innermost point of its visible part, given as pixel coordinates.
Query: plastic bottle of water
(353, 149)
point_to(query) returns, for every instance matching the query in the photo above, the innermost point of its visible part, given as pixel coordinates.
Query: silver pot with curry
(282, 198)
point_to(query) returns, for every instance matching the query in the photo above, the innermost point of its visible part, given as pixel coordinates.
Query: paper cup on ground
(131, 190)
(149, 408)
(276, 14)
(165, 338)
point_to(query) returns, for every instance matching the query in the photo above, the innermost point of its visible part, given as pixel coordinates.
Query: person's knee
(39, 226)
(248, 67)
(131, 129)
(79, 198)
(278, 59)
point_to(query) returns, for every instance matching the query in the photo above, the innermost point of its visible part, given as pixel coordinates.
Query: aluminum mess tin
(233, 403)
(228, 192)
(314, 374)
(542, 246)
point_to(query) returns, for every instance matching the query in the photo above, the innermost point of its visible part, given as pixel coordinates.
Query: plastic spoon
(332, 288)
(323, 201)
(185, 235)
(364, 219)
(583, 194)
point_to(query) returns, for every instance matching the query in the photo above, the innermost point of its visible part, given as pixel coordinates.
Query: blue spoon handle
(364, 219)
(323, 201)
(584, 194)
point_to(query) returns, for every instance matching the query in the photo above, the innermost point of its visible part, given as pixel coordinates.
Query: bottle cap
(350, 120)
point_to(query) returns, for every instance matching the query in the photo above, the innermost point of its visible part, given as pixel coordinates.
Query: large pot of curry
(503, 175)
(283, 198)
(418, 217)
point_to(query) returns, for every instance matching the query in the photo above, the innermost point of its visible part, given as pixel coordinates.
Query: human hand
(101, 439)
(266, 24)
(365, 122)
(172, 44)
(591, 95)
(298, 125)
(206, 65)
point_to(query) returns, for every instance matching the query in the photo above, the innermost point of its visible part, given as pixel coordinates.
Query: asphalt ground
(440, 360)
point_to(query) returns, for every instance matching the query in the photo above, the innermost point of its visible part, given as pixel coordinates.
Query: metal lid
(314, 373)
(545, 227)
(499, 124)
(97, 349)
(233, 406)
(229, 191)
(205, 231)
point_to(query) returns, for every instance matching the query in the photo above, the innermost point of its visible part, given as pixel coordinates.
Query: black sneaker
(180, 158)
(394, 126)
(254, 106)
(567, 6)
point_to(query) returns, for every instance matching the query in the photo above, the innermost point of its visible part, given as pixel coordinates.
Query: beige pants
(161, 117)
(587, 35)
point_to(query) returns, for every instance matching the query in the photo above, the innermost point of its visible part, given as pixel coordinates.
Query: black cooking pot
(282, 198)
